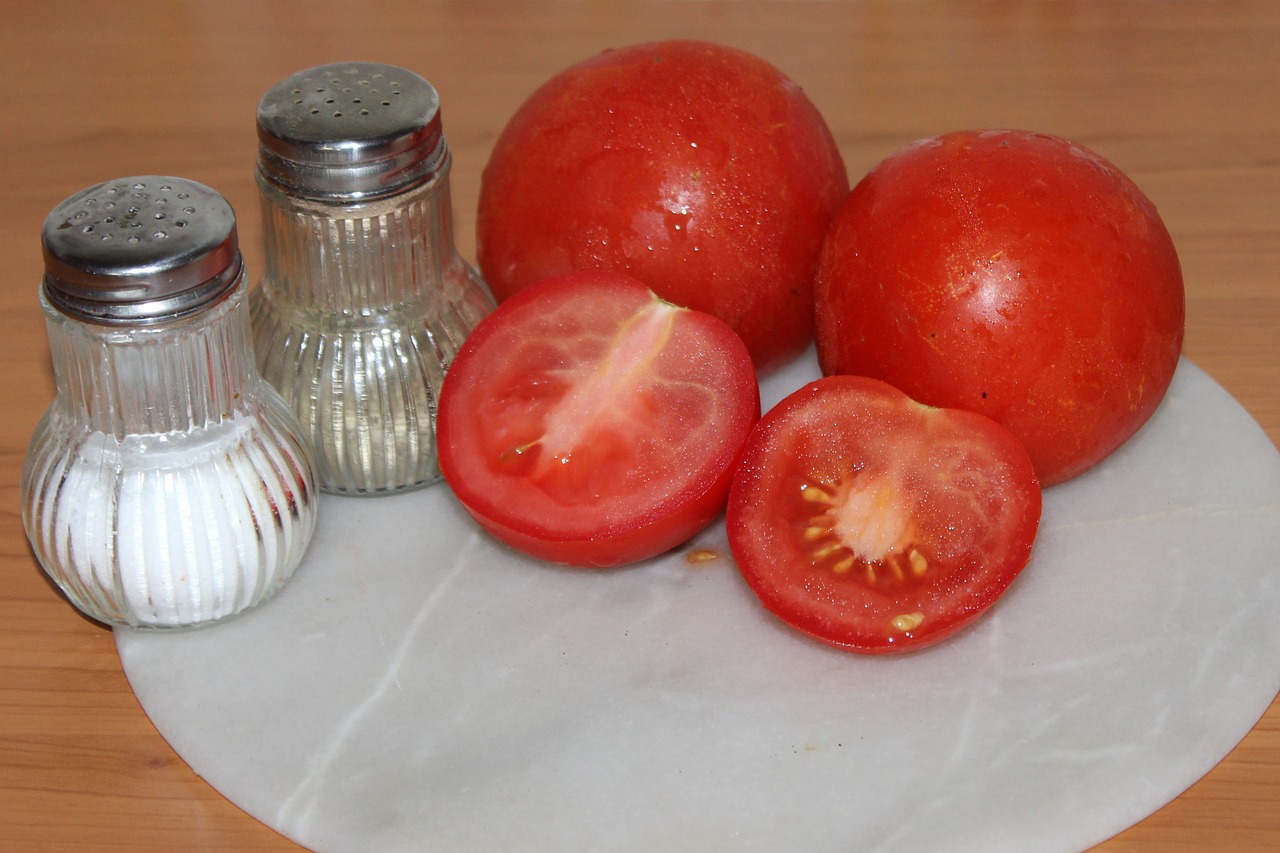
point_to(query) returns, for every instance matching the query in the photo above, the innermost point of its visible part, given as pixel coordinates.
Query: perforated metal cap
(350, 131)
(140, 249)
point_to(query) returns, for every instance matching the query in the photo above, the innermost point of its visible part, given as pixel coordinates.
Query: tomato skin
(1014, 274)
(945, 503)
(699, 169)
(587, 422)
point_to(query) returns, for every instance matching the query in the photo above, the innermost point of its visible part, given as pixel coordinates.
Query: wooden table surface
(1182, 96)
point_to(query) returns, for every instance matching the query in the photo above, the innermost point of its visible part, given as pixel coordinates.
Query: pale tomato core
(872, 517)
(864, 527)
(609, 393)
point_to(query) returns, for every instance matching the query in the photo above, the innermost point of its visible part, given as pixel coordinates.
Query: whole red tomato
(699, 169)
(1014, 274)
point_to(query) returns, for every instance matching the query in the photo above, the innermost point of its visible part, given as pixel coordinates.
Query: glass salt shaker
(166, 485)
(364, 299)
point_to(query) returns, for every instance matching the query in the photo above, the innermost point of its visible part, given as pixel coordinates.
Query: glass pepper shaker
(167, 485)
(364, 299)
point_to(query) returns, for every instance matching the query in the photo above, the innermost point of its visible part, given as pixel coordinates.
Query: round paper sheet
(419, 687)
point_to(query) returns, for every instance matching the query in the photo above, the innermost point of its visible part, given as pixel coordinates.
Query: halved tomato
(875, 523)
(588, 422)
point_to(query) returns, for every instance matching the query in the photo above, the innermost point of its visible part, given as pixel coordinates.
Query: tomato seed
(907, 621)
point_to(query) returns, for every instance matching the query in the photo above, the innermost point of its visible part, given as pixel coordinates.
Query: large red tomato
(877, 524)
(699, 169)
(1014, 274)
(588, 422)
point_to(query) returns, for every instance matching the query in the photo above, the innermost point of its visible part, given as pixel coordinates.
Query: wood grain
(1182, 96)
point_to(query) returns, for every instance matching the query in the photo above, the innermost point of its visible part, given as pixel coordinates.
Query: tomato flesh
(588, 422)
(878, 524)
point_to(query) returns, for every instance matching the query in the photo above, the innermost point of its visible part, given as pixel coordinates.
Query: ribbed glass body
(166, 485)
(360, 310)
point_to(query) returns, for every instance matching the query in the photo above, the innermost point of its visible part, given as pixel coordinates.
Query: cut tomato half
(878, 524)
(588, 422)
